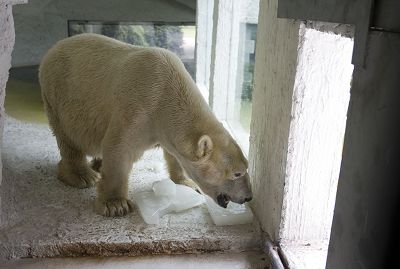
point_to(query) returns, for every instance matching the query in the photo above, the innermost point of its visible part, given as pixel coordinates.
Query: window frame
(227, 21)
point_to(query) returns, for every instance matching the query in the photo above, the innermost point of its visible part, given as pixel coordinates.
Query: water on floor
(23, 100)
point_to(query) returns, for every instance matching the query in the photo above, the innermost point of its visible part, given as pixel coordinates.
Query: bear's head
(219, 168)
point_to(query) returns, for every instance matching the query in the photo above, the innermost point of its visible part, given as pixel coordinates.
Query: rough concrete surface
(253, 260)
(318, 119)
(274, 79)
(45, 218)
(365, 228)
(7, 38)
(306, 256)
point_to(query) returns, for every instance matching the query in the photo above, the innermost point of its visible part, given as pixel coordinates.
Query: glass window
(234, 32)
(176, 37)
(245, 85)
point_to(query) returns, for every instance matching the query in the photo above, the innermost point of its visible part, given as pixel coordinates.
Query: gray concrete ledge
(248, 260)
(44, 218)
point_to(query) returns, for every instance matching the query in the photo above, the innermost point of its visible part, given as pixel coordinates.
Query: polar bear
(113, 101)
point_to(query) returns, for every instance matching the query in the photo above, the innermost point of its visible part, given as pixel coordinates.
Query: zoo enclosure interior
(22, 238)
(230, 92)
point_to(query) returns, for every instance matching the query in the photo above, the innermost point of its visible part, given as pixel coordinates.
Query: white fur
(112, 100)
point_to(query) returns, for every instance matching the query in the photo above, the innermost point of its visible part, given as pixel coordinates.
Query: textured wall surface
(41, 23)
(320, 100)
(276, 50)
(7, 37)
(363, 231)
(356, 12)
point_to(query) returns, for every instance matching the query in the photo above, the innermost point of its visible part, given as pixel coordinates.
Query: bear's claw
(114, 207)
(82, 177)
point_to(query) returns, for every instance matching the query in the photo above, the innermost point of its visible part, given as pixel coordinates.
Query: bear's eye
(237, 174)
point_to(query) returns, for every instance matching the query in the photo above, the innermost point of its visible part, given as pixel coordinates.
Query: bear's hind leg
(73, 168)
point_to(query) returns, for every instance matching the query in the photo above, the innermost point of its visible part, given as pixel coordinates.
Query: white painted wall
(41, 23)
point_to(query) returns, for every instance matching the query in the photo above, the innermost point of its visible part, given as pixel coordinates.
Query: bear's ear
(204, 146)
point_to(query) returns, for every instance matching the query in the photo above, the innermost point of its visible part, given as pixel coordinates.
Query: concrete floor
(41, 217)
(218, 261)
(306, 256)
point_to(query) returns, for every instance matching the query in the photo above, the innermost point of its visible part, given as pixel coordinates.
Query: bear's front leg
(112, 189)
(176, 172)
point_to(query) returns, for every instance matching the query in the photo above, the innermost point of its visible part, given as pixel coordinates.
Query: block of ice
(151, 207)
(232, 215)
(165, 198)
(186, 198)
(164, 188)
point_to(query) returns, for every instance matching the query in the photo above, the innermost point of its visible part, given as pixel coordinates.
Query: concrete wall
(355, 12)
(41, 23)
(302, 84)
(6, 45)
(363, 230)
(7, 38)
(318, 119)
(276, 50)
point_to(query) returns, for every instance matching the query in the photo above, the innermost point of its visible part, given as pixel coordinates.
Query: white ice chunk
(232, 215)
(165, 198)
(151, 207)
(186, 198)
(164, 187)
(168, 197)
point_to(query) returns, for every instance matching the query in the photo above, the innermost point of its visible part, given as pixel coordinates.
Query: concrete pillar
(7, 39)
(275, 70)
(318, 119)
(302, 82)
(365, 229)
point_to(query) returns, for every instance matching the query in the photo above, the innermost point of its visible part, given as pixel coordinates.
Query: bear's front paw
(116, 207)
